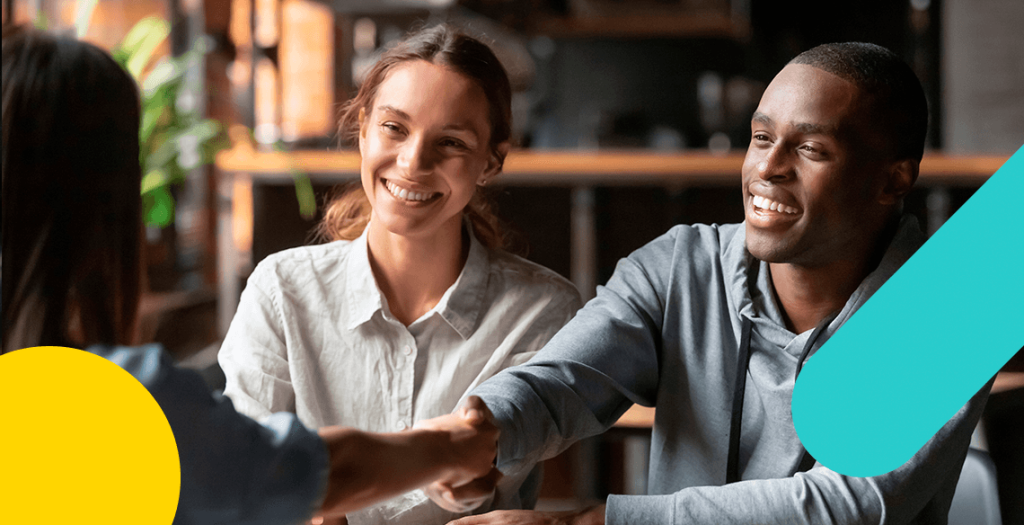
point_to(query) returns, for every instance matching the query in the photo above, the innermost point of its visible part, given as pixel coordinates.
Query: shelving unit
(242, 167)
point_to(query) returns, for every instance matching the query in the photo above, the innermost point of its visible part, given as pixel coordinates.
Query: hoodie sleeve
(590, 373)
(233, 470)
(821, 495)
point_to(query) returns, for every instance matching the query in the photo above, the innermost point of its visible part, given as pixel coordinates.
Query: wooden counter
(602, 168)
(242, 166)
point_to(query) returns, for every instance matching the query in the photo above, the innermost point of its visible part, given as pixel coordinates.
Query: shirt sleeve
(254, 354)
(601, 363)
(233, 470)
(821, 495)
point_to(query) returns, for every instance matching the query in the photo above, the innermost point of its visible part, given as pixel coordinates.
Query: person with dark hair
(712, 323)
(414, 302)
(71, 234)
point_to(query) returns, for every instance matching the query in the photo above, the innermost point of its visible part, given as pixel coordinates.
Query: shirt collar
(459, 306)
(362, 296)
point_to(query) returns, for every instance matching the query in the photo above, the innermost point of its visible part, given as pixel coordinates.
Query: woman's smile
(409, 196)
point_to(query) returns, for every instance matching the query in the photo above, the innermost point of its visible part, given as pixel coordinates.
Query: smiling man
(711, 324)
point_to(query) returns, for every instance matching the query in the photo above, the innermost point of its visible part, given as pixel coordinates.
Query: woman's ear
(494, 162)
(900, 179)
(362, 128)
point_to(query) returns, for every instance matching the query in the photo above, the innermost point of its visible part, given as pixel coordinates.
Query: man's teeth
(405, 194)
(766, 204)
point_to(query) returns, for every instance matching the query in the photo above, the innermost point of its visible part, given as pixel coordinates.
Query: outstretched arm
(234, 470)
(817, 496)
(367, 468)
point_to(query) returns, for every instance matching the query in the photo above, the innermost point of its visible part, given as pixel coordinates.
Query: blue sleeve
(233, 469)
(595, 368)
(901, 497)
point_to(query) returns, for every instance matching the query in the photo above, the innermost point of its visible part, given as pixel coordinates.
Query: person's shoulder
(300, 265)
(691, 240)
(528, 277)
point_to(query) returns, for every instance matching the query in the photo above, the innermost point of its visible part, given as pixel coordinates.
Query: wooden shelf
(574, 168)
(643, 417)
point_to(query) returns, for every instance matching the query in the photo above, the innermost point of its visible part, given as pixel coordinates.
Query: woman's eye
(391, 128)
(452, 143)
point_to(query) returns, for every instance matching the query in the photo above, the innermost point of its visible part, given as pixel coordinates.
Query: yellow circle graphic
(82, 442)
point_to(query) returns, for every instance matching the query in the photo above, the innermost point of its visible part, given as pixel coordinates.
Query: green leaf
(154, 179)
(158, 207)
(303, 188)
(304, 194)
(162, 155)
(165, 72)
(141, 41)
(150, 119)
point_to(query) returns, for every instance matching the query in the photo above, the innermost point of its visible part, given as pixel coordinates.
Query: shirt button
(401, 425)
(408, 350)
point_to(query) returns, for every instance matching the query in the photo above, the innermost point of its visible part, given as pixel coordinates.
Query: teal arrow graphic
(926, 342)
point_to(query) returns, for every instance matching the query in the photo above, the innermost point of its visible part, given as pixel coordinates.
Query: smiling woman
(461, 57)
(414, 302)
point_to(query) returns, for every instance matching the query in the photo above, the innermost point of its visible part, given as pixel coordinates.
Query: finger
(472, 415)
(478, 489)
(474, 403)
(440, 494)
(491, 518)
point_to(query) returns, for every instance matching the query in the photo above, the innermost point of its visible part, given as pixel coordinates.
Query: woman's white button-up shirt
(313, 335)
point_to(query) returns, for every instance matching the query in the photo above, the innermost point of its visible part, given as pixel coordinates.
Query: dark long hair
(347, 215)
(71, 175)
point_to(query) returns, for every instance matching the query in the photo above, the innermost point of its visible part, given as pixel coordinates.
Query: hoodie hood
(751, 290)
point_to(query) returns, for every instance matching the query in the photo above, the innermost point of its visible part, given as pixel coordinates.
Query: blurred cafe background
(630, 116)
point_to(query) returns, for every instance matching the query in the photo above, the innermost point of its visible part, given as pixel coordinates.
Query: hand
(589, 516)
(466, 497)
(472, 442)
(456, 494)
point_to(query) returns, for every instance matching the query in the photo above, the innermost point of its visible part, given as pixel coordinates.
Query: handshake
(471, 475)
(451, 457)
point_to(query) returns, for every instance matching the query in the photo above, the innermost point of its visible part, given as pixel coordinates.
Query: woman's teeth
(766, 204)
(405, 194)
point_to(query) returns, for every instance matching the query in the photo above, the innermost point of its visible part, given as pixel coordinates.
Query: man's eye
(761, 137)
(812, 151)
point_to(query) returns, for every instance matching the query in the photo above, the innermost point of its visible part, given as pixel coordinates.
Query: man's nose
(774, 165)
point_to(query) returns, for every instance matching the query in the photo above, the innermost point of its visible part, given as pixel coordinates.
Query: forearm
(367, 468)
(918, 491)
(801, 500)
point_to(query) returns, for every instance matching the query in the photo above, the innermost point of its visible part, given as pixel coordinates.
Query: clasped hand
(473, 476)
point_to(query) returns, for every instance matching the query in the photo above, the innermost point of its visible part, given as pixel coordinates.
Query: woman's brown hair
(346, 216)
(71, 175)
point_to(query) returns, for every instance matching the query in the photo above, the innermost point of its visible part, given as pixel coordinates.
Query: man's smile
(764, 212)
(765, 204)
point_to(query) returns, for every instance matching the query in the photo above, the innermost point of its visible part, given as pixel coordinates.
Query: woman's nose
(414, 157)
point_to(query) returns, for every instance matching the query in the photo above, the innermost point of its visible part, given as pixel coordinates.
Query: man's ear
(899, 180)
(495, 162)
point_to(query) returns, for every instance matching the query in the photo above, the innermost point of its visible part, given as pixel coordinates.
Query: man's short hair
(897, 96)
